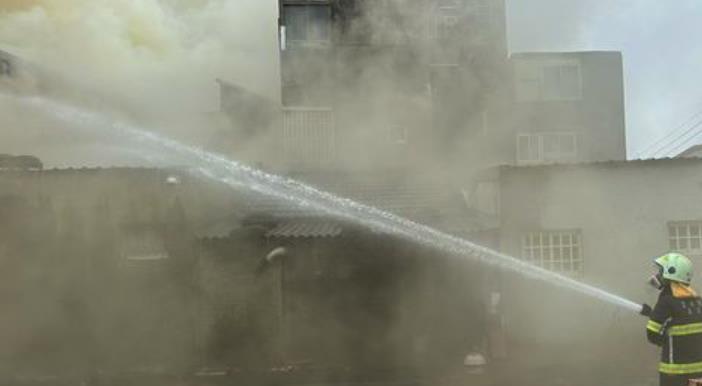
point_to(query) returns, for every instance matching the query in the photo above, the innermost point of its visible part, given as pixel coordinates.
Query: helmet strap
(657, 281)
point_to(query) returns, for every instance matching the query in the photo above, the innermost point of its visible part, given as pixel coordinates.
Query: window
(483, 197)
(446, 26)
(552, 80)
(559, 251)
(5, 68)
(142, 243)
(307, 24)
(480, 20)
(546, 147)
(397, 135)
(447, 20)
(686, 237)
(309, 135)
(561, 82)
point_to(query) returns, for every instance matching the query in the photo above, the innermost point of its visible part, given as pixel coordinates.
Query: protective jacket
(676, 325)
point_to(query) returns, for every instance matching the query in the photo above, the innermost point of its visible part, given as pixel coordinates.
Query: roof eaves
(613, 163)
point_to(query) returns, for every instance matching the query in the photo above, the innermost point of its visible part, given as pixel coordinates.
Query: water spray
(243, 177)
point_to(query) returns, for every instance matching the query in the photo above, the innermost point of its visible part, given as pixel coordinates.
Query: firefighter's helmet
(676, 267)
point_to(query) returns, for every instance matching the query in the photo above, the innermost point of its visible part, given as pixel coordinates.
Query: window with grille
(548, 80)
(5, 68)
(685, 237)
(309, 136)
(559, 251)
(143, 243)
(561, 82)
(471, 22)
(546, 147)
(446, 19)
(307, 24)
(397, 135)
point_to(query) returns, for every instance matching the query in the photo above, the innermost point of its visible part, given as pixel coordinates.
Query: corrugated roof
(551, 54)
(614, 163)
(434, 202)
(305, 229)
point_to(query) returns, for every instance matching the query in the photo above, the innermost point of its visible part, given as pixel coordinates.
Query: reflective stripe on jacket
(676, 326)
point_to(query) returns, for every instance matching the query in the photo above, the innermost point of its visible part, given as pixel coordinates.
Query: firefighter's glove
(646, 310)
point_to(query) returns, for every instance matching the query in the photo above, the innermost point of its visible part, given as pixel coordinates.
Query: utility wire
(661, 143)
(671, 139)
(670, 134)
(674, 141)
(686, 144)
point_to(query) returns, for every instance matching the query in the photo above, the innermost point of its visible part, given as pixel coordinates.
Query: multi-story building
(569, 107)
(395, 81)
(429, 85)
(558, 108)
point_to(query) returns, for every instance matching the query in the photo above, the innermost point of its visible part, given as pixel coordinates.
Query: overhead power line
(675, 142)
(671, 133)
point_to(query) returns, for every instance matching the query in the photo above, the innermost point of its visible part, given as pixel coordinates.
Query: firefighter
(676, 321)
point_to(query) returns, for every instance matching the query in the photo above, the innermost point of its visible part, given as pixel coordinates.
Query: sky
(662, 58)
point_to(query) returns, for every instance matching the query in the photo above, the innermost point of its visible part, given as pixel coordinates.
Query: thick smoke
(156, 61)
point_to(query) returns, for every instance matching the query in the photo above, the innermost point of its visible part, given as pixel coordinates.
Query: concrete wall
(83, 271)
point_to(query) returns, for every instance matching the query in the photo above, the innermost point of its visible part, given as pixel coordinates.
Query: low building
(155, 271)
(694, 151)
(356, 298)
(602, 223)
(98, 269)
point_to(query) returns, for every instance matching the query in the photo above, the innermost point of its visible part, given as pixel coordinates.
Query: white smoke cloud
(156, 60)
(165, 55)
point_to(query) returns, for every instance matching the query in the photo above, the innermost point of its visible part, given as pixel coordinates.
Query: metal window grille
(445, 19)
(309, 136)
(546, 147)
(686, 237)
(548, 81)
(561, 82)
(5, 68)
(398, 135)
(143, 245)
(307, 24)
(559, 251)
